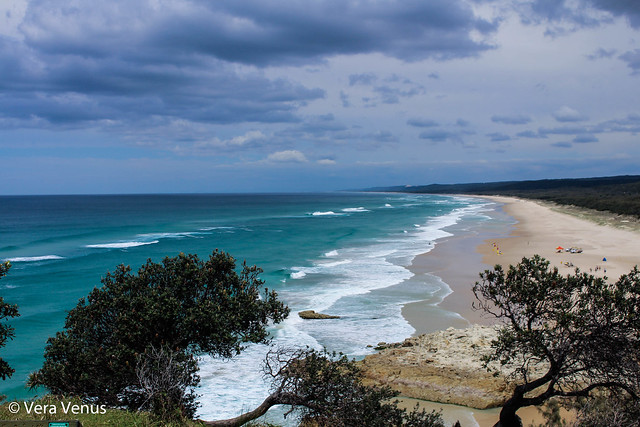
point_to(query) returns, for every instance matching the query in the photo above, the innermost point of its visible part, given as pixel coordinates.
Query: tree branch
(270, 401)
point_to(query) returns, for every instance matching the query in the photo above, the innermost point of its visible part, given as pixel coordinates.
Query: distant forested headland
(617, 194)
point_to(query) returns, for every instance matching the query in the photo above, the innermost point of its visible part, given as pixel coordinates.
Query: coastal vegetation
(327, 390)
(617, 194)
(563, 336)
(131, 347)
(6, 331)
(133, 342)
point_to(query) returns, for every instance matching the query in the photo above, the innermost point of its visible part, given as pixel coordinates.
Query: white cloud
(287, 156)
(326, 162)
(568, 114)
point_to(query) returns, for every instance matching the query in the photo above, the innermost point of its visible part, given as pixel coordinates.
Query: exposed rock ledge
(441, 367)
(310, 314)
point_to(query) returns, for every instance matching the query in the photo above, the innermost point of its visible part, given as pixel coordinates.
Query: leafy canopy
(184, 304)
(6, 331)
(564, 335)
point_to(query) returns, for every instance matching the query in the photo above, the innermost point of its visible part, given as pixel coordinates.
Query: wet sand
(522, 228)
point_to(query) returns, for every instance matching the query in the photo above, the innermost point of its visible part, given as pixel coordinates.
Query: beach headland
(523, 228)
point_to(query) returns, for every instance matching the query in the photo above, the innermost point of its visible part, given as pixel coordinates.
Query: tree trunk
(246, 417)
(508, 416)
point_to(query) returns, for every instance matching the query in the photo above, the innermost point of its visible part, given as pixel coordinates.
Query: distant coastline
(616, 194)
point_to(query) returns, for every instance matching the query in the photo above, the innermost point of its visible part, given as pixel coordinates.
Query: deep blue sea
(340, 253)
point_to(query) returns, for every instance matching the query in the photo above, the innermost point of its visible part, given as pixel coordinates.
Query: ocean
(344, 254)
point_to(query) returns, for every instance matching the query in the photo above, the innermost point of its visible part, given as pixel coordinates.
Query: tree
(607, 409)
(182, 304)
(579, 332)
(6, 331)
(167, 381)
(327, 390)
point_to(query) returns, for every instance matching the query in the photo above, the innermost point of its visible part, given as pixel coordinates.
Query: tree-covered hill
(617, 194)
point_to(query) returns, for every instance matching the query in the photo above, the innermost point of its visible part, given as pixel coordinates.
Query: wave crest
(121, 245)
(34, 258)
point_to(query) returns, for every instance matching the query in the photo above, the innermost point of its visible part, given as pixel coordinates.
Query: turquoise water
(341, 253)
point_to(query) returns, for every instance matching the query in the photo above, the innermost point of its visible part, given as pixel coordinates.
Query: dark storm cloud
(578, 14)
(630, 9)
(438, 135)
(511, 119)
(322, 127)
(498, 137)
(119, 62)
(295, 32)
(530, 134)
(587, 133)
(422, 123)
(602, 53)
(563, 16)
(74, 89)
(630, 123)
(362, 79)
(564, 130)
(632, 58)
(585, 138)
(562, 144)
(392, 95)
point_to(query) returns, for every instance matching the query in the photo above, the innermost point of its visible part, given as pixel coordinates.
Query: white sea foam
(297, 274)
(148, 239)
(217, 228)
(34, 258)
(222, 400)
(351, 285)
(327, 213)
(180, 235)
(360, 209)
(121, 245)
(334, 264)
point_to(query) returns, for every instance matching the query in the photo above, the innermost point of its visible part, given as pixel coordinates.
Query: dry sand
(534, 228)
(540, 230)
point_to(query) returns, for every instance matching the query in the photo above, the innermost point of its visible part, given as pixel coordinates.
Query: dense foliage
(326, 390)
(618, 194)
(6, 331)
(183, 304)
(563, 335)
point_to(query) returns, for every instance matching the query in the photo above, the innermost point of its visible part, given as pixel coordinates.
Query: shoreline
(456, 262)
(519, 228)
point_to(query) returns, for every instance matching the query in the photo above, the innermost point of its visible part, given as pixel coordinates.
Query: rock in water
(310, 314)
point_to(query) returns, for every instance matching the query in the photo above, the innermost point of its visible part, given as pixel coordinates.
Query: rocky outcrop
(444, 367)
(310, 314)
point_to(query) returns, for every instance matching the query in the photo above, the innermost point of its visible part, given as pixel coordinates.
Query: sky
(175, 96)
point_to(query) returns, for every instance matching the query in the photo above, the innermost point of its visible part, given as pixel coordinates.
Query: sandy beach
(525, 228)
(535, 229)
